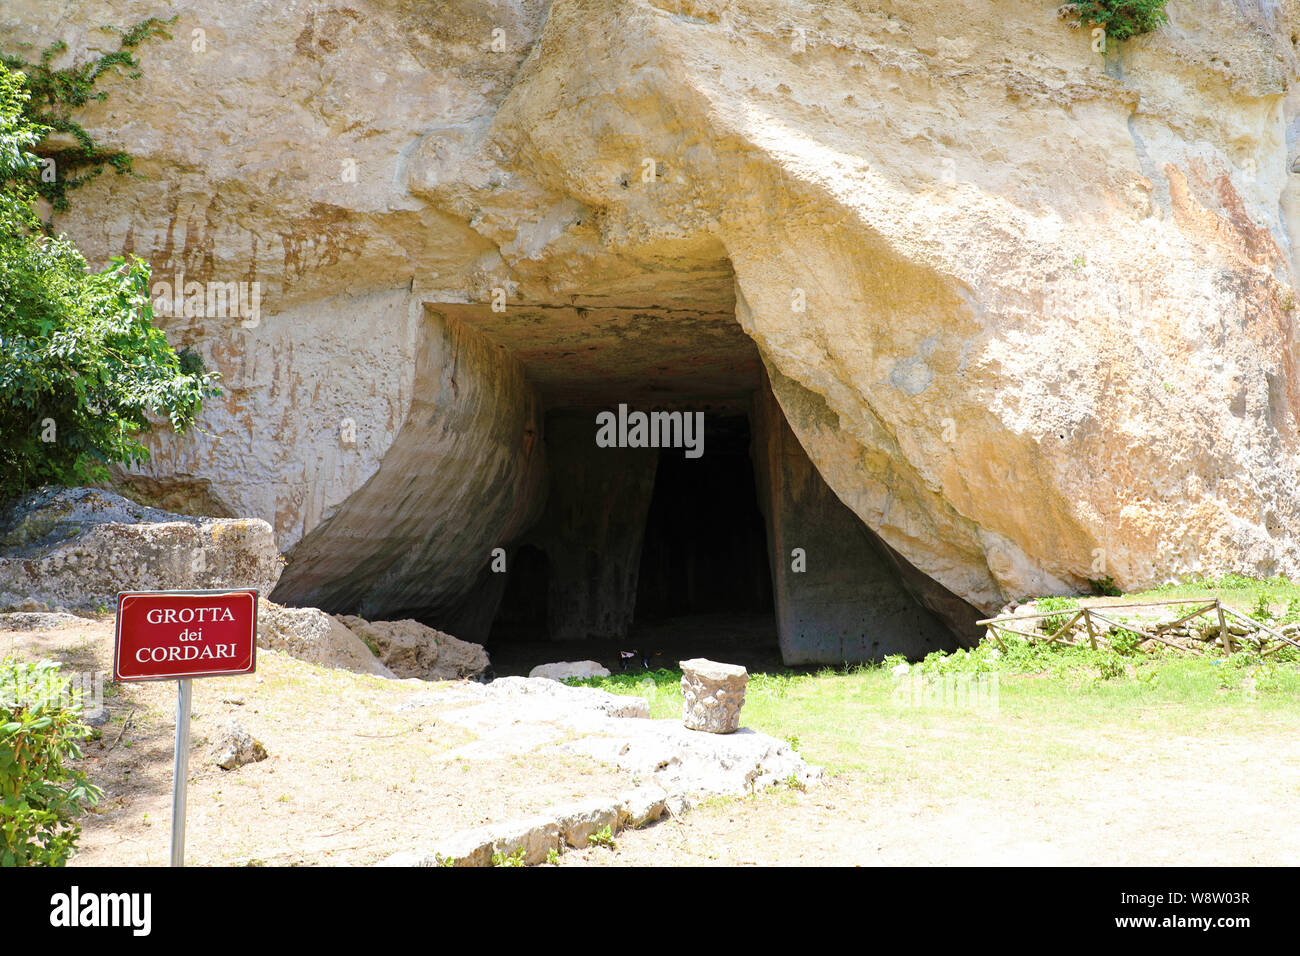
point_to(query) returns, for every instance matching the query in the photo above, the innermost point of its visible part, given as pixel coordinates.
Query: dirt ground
(1178, 802)
(360, 768)
(351, 776)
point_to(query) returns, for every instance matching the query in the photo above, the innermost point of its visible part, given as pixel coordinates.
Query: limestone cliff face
(1029, 310)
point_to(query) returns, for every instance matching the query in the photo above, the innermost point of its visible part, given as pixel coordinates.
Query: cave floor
(746, 639)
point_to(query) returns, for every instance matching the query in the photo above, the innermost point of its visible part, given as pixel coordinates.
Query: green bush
(1125, 642)
(41, 796)
(82, 367)
(1122, 19)
(1045, 605)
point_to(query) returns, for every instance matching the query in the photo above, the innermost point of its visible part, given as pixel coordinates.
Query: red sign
(166, 635)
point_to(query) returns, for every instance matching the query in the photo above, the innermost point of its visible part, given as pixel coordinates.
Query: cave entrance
(705, 583)
(500, 514)
(648, 551)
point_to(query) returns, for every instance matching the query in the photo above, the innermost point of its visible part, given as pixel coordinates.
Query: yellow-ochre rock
(1028, 310)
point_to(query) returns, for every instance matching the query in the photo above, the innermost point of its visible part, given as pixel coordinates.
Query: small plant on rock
(518, 858)
(602, 837)
(1121, 19)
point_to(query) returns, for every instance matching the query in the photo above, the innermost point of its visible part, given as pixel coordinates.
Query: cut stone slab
(76, 548)
(578, 821)
(712, 695)
(563, 670)
(536, 836)
(641, 806)
(691, 766)
(674, 767)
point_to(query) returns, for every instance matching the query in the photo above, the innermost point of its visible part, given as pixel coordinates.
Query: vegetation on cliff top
(1121, 19)
(70, 156)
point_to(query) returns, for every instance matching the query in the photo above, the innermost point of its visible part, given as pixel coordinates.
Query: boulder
(712, 695)
(235, 746)
(563, 670)
(310, 634)
(78, 547)
(411, 649)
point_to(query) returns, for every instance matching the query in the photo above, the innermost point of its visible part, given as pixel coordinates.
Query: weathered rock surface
(676, 767)
(235, 746)
(310, 634)
(563, 670)
(1030, 311)
(520, 714)
(580, 821)
(712, 695)
(539, 835)
(78, 547)
(410, 649)
(691, 766)
(38, 620)
(642, 805)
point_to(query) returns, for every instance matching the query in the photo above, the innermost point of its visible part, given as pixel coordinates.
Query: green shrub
(1125, 642)
(1261, 610)
(1122, 19)
(41, 796)
(1110, 667)
(1104, 586)
(82, 367)
(1292, 614)
(1050, 625)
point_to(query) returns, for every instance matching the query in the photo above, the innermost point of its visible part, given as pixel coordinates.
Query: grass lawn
(1060, 755)
(865, 718)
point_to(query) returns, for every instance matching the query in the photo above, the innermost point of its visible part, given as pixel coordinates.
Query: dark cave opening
(564, 546)
(705, 548)
(641, 550)
(522, 612)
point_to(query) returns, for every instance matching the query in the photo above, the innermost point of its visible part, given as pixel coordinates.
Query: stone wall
(465, 475)
(1029, 311)
(839, 597)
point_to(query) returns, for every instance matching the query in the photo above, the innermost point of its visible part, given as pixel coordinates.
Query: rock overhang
(822, 169)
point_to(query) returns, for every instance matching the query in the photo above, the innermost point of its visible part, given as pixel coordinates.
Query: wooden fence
(1206, 622)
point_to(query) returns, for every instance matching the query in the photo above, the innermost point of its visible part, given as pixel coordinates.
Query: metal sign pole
(181, 770)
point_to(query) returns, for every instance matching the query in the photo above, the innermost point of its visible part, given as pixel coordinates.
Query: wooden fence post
(1223, 628)
(1092, 636)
